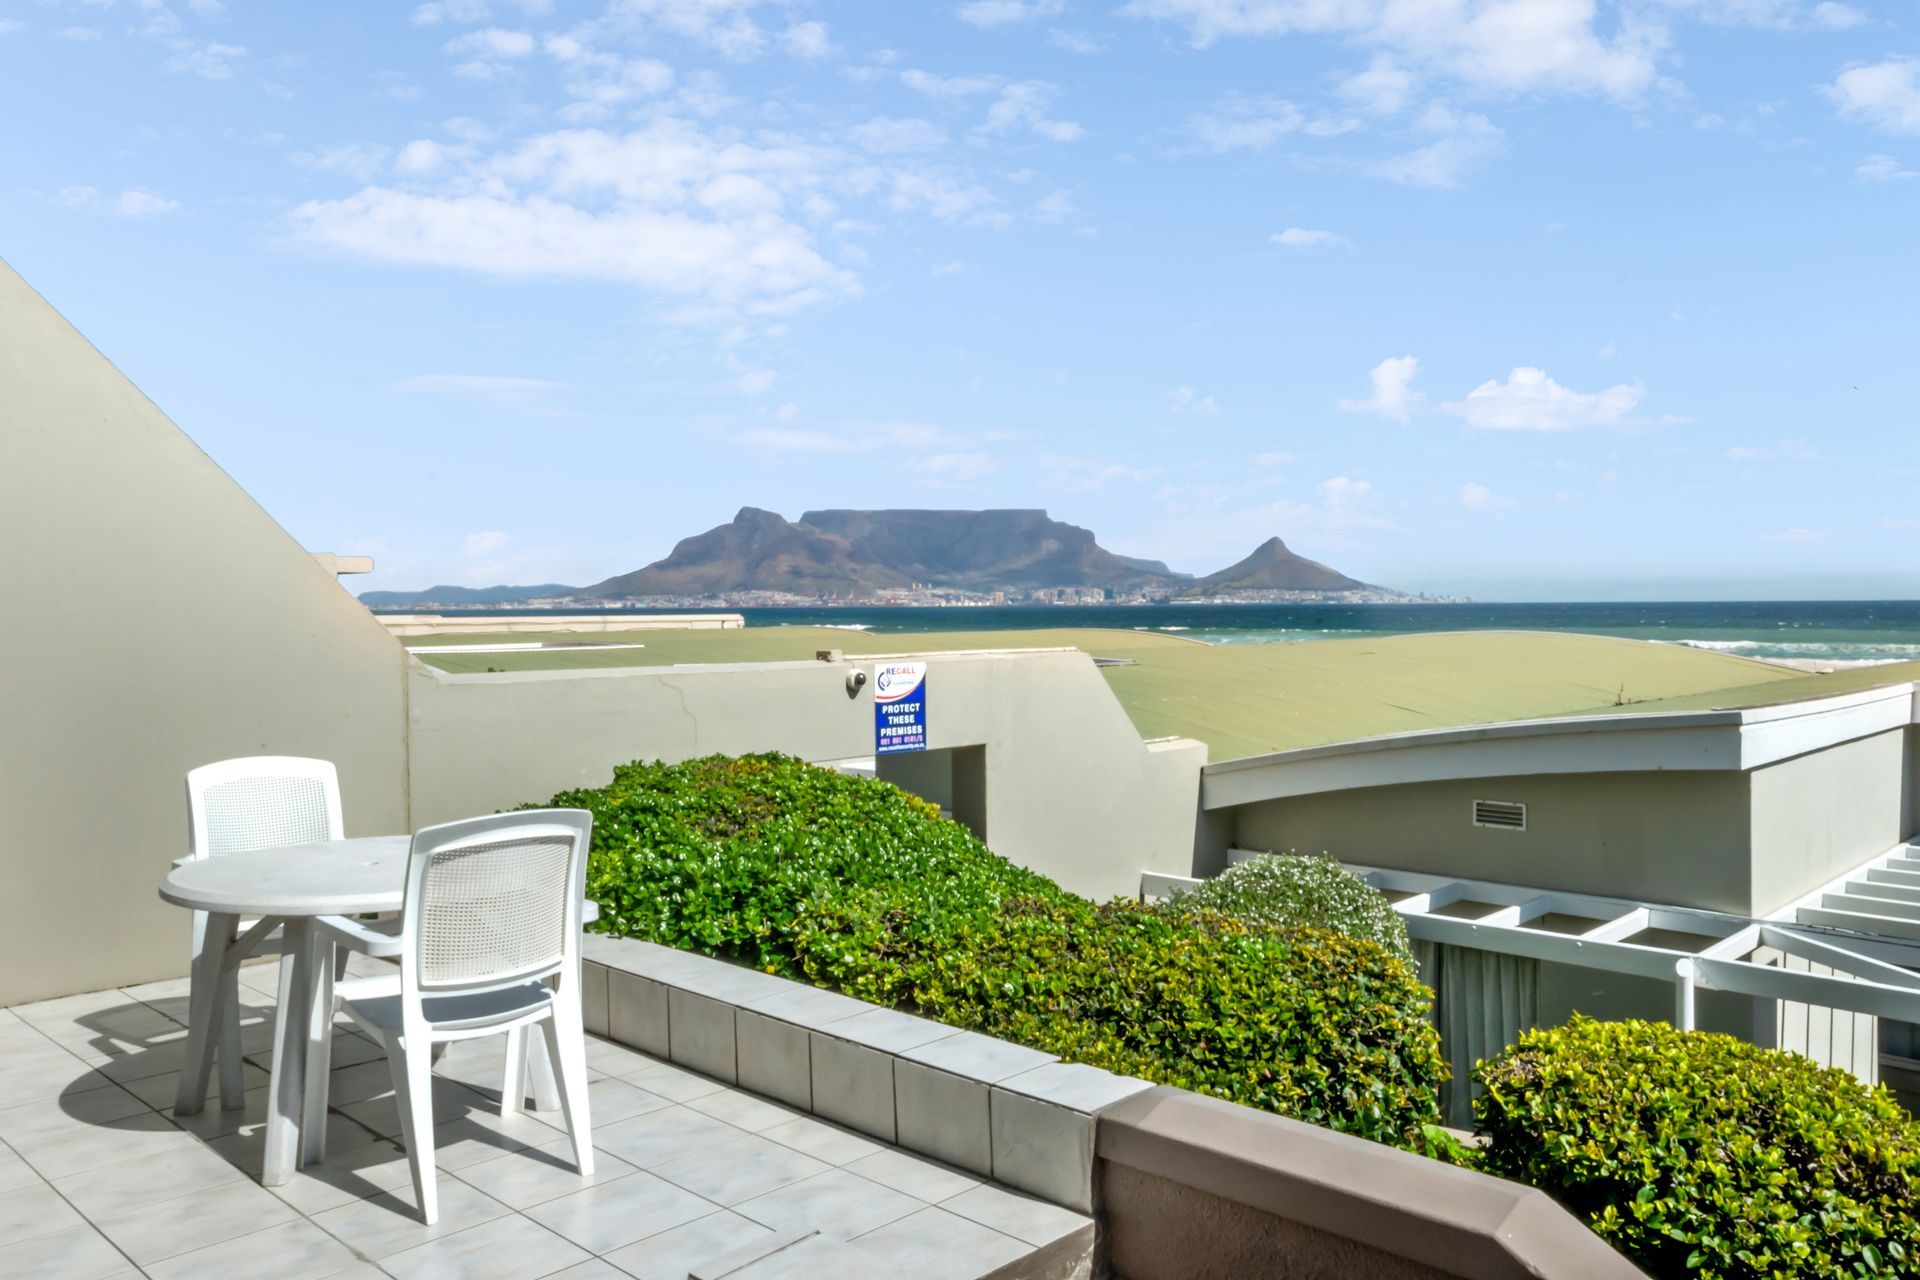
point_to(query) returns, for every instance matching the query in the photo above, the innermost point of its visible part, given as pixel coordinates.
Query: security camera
(856, 680)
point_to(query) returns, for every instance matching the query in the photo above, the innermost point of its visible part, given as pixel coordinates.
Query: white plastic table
(290, 885)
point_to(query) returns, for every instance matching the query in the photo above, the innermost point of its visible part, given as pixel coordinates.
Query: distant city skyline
(1549, 299)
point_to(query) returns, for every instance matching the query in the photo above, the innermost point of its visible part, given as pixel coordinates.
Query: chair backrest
(494, 901)
(261, 802)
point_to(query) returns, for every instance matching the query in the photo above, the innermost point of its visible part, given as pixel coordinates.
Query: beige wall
(1819, 815)
(1069, 788)
(1676, 838)
(182, 626)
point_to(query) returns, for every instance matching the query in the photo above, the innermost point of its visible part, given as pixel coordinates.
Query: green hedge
(1287, 889)
(856, 885)
(1700, 1155)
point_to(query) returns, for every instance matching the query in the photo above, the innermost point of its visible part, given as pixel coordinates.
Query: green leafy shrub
(1700, 1155)
(856, 885)
(1291, 889)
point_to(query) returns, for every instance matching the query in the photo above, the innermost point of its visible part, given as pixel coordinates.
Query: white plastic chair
(490, 945)
(233, 806)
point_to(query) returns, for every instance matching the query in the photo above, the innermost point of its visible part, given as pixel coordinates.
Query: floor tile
(480, 1136)
(823, 1141)
(196, 1220)
(738, 1170)
(450, 1102)
(743, 1110)
(936, 1245)
(612, 1214)
(15, 1172)
(43, 1071)
(671, 1254)
(512, 1248)
(344, 1176)
(295, 1250)
(617, 1059)
(159, 1091)
(34, 1210)
(816, 1255)
(921, 1179)
(80, 1149)
(593, 1269)
(835, 1203)
(609, 1100)
(72, 1253)
(390, 1221)
(674, 1083)
(535, 1175)
(31, 1121)
(663, 1135)
(121, 1188)
(1024, 1217)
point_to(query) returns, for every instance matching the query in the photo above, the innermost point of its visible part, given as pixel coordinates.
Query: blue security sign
(899, 707)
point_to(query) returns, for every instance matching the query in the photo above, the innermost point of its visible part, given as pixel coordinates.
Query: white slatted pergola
(1849, 927)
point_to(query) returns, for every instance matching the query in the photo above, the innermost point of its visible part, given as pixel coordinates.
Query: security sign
(899, 707)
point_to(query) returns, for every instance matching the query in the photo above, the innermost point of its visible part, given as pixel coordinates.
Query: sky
(1523, 299)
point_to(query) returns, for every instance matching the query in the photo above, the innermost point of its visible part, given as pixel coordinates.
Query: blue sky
(1520, 298)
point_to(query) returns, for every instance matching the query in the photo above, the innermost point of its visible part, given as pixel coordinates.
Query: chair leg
(203, 1010)
(567, 1045)
(513, 1088)
(540, 1079)
(313, 1107)
(412, 1068)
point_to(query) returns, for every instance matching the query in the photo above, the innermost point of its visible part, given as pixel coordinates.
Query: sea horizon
(1812, 631)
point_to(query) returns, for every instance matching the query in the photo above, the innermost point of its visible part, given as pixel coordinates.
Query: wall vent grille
(1503, 814)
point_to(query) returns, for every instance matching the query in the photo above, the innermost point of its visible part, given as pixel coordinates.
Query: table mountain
(854, 553)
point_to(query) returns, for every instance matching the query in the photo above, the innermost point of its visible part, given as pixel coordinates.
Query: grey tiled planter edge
(1016, 1115)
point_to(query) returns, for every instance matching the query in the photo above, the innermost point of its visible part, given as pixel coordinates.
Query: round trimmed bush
(1700, 1155)
(854, 884)
(1292, 889)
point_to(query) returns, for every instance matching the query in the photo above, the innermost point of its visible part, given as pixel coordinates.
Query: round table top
(328, 878)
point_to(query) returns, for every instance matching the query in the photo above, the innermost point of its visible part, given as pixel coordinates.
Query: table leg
(289, 1052)
(210, 934)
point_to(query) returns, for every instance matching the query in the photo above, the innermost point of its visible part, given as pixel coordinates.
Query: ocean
(1815, 630)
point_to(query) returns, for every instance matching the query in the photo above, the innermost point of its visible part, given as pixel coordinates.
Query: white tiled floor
(98, 1180)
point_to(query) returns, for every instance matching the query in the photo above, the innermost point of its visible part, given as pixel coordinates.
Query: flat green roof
(1250, 699)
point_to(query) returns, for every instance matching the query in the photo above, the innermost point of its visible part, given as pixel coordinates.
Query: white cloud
(82, 35)
(142, 204)
(489, 52)
(1477, 497)
(1383, 89)
(1272, 459)
(11, 26)
(1529, 400)
(948, 87)
(208, 61)
(1242, 123)
(1302, 238)
(889, 135)
(1024, 105)
(1465, 142)
(1881, 168)
(358, 161)
(1086, 475)
(1187, 400)
(1837, 17)
(480, 544)
(756, 382)
(1393, 395)
(1056, 206)
(1510, 45)
(1798, 535)
(1785, 451)
(807, 40)
(480, 386)
(1004, 13)
(1075, 41)
(724, 25)
(600, 81)
(438, 11)
(669, 207)
(132, 203)
(1885, 95)
(952, 267)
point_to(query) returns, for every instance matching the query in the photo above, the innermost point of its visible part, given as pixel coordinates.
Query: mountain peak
(1272, 567)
